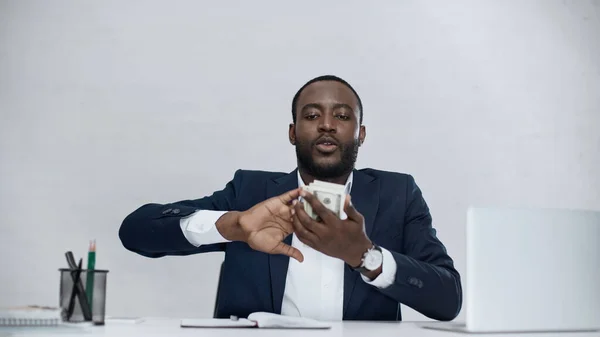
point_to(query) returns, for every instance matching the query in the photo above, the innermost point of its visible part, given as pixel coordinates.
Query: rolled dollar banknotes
(330, 195)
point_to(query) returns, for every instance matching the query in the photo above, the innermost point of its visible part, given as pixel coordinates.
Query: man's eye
(343, 117)
(311, 116)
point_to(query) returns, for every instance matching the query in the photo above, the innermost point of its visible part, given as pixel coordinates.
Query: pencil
(91, 265)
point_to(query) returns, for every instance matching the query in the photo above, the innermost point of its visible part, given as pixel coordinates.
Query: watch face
(373, 260)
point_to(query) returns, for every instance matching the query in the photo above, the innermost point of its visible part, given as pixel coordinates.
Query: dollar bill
(332, 196)
(330, 200)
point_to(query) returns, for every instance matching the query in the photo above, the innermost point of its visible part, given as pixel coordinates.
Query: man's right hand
(264, 226)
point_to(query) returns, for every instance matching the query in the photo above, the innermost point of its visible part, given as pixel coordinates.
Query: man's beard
(349, 153)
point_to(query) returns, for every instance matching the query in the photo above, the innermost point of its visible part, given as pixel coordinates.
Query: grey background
(106, 105)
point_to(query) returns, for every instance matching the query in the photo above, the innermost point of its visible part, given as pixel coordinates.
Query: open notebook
(257, 320)
(30, 316)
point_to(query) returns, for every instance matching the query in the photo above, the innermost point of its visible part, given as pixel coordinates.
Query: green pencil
(91, 264)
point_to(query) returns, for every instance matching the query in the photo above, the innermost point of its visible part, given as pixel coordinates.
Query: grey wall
(107, 105)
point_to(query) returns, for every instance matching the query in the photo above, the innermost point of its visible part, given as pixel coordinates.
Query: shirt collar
(348, 182)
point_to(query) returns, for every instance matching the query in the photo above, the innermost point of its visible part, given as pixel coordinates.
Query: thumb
(288, 196)
(350, 211)
(288, 250)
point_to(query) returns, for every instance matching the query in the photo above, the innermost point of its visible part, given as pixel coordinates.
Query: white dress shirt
(313, 288)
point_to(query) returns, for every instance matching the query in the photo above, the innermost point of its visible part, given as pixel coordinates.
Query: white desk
(170, 328)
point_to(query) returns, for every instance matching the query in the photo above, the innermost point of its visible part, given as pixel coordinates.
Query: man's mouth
(326, 145)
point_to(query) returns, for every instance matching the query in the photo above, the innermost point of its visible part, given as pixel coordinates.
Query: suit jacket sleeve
(426, 279)
(153, 230)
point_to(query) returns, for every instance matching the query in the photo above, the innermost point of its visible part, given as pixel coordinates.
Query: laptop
(530, 270)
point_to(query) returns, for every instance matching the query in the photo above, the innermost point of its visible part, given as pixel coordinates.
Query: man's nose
(327, 123)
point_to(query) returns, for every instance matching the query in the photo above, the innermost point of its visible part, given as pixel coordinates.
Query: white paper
(270, 320)
(217, 323)
(264, 320)
(126, 320)
(30, 315)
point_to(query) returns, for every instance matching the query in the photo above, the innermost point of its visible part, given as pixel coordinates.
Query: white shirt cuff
(388, 271)
(200, 228)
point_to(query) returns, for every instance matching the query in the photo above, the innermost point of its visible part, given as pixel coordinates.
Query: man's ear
(362, 134)
(292, 134)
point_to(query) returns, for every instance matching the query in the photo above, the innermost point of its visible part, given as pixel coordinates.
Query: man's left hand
(343, 239)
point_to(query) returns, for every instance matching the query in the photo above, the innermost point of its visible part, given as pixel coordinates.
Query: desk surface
(170, 328)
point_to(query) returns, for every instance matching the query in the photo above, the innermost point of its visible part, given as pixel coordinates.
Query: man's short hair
(326, 78)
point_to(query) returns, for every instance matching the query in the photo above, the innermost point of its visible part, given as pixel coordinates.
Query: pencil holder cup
(82, 296)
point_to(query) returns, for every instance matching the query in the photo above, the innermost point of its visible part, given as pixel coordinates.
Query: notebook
(257, 320)
(30, 316)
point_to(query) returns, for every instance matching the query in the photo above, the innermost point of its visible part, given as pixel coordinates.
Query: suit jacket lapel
(365, 198)
(278, 264)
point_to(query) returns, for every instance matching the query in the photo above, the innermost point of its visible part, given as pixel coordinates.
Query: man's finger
(286, 212)
(307, 222)
(350, 211)
(323, 212)
(301, 231)
(289, 196)
(288, 250)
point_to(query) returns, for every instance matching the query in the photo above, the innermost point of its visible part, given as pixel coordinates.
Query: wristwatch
(371, 260)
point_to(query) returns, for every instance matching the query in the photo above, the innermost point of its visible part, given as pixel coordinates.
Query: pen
(89, 284)
(74, 291)
(77, 290)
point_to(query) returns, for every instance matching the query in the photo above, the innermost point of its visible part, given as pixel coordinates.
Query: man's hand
(343, 239)
(264, 226)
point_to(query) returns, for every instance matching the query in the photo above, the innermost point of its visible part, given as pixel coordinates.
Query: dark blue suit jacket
(396, 218)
